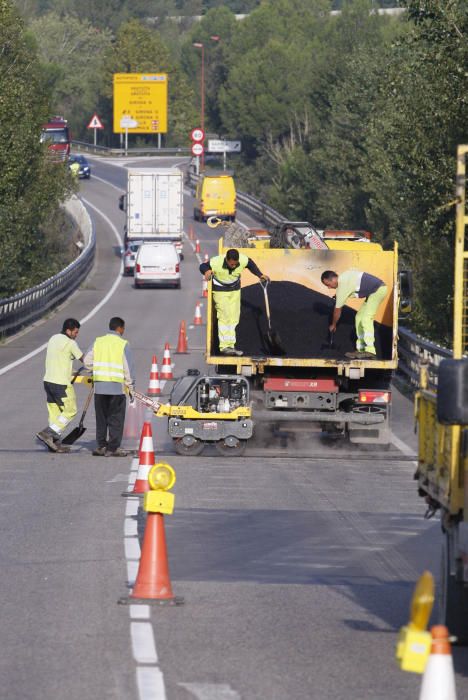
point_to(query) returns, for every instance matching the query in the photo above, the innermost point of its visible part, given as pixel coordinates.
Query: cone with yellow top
(153, 583)
(438, 681)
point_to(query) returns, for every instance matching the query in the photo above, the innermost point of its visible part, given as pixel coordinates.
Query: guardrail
(414, 351)
(144, 151)
(24, 308)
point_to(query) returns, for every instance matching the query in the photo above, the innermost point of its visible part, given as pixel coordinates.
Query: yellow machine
(442, 417)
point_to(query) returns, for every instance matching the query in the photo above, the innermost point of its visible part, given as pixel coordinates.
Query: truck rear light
(367, 396)
(138, 268)
(177, 268)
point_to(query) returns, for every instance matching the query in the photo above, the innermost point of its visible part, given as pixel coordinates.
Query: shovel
(77, 432)
(271, 338)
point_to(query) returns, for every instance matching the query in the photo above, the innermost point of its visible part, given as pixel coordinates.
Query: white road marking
(132, 507)
(132, 571)
(92, 313)
(402, 446)
(130, 527)
(211, 691)
(132, 548)
(140, 612)
(143, 646)
(150, 683)
(106, 182)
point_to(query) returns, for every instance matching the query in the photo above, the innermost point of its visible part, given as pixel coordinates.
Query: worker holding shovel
(354, 283)
(225, 272)
(62, 349)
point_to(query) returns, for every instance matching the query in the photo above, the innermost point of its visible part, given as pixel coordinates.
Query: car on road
(157, 264)
(129, 257)
(85, 168)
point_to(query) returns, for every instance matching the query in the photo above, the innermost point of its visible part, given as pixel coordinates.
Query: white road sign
(197, 149)
(220, 146)
(95, 123)
(197, 135)
(128, 123)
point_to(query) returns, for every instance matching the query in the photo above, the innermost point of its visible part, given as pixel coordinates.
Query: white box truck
(154, 206)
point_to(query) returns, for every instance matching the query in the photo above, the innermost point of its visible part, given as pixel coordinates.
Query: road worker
(354, 283)
(225, 272)
(111, 362)
(62, 349)
(75, 169)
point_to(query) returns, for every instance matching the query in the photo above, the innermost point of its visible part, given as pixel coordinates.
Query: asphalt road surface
(297, 562)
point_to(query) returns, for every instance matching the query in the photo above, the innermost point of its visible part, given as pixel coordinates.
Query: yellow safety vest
(108, 358)
(224, 278)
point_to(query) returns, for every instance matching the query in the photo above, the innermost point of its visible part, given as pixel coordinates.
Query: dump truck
(56, 134)
(441, 410)
(153, 205)
(310, 381)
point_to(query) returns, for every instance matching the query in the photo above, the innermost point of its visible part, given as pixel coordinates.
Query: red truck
(56, 133)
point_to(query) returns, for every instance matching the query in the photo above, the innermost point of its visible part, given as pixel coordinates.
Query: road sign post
(95, 124)
(223, 146)
(127, 123)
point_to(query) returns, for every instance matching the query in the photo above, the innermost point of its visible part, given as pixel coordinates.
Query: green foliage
(30, 185)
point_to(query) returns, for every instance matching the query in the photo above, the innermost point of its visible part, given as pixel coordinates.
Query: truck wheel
(188, 446)
(453, 593)
(231, 446)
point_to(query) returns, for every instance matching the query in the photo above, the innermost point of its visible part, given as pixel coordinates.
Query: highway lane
(297, 573)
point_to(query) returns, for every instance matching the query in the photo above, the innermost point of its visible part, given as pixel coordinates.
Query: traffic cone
(438, 681)
(153, 387)
(197, 319)
(204, 288)
(145, 459)
(182, 345)
(197, 246)
(166, 369)
(153, 581)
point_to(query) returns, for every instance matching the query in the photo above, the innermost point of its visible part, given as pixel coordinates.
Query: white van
(157, 263)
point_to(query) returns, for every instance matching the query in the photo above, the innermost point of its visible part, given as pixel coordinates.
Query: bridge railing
(143, 151)
(24, 308)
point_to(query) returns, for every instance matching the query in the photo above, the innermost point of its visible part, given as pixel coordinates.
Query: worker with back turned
(225, 272)
(355, 283)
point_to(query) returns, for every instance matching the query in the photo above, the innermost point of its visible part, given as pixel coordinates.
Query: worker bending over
(354, 283)
(62, 349)
(225, 272)
(110, 360)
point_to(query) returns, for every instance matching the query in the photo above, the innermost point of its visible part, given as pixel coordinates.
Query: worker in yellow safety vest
(111, 361)
(75, 169)
(62, 349)
(355, 283)
(225, 272)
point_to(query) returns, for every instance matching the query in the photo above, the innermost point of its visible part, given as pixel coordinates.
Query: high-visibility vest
(108, 358)
(225, 279)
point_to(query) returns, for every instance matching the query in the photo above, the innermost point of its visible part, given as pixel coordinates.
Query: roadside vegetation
(348, 120)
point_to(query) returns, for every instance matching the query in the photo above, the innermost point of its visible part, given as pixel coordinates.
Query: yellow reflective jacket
(224, 279)
(108, 362)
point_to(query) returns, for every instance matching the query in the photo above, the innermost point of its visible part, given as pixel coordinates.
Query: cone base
(128, 600)
(127, 494)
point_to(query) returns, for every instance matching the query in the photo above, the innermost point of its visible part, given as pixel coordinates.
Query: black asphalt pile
(301, 317)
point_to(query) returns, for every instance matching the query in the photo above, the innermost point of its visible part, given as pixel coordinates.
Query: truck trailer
(154, 206)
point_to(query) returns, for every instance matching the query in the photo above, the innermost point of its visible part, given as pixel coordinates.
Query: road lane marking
(93, 312)
(406, 449)
(211, 691)
(150, 683)
(143, 646)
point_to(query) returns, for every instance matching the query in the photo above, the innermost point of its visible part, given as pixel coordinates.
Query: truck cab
(56, 134)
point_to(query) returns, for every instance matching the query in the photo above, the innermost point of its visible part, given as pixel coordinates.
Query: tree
(30, 185)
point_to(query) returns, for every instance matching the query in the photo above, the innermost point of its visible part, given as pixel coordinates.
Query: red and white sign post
(95, 124)
(197, 135)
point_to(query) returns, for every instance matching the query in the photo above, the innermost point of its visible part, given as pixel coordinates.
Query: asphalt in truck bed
(301, 318)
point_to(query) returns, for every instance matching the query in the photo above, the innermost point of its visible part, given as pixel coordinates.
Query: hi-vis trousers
(59, 418)
(227, 306)
(365, 320)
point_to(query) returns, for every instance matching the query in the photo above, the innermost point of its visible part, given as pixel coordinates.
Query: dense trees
(30, 185)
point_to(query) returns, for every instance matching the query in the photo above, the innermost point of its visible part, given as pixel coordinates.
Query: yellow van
(215, 195)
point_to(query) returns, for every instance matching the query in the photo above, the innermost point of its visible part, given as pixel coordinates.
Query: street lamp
(199, 45)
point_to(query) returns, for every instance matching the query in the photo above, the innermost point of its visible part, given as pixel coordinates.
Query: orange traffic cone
(197, 246)
(197, 319)
(153, 387)
(153, 581)
(166, 369)
(438, 681)
(182, 345)
(146, 459)
(204, 288)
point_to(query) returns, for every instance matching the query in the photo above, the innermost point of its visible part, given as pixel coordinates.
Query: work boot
(228, 351)
(237, 352)
(119, 452)
(353, 355)
(46, 437)
(100, 451)
(62, 449)
(365, 355)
